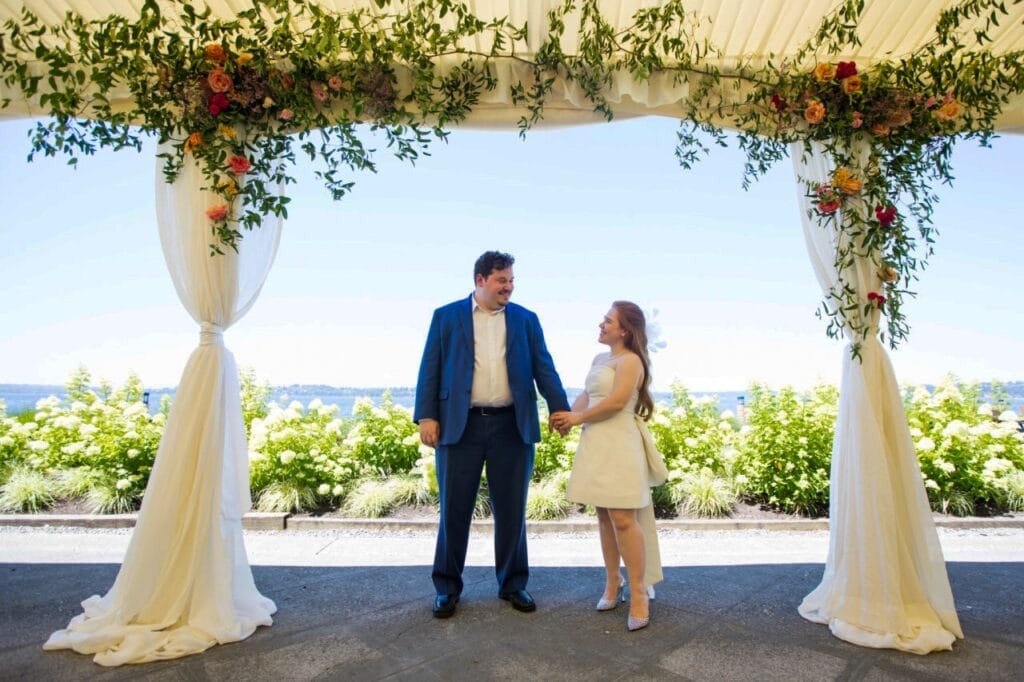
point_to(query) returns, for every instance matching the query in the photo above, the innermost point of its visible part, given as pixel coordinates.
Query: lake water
(21, 397)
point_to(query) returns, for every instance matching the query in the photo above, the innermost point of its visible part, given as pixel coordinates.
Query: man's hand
(557, 422)
(430, 432)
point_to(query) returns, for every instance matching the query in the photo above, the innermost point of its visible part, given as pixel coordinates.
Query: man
(476, 404)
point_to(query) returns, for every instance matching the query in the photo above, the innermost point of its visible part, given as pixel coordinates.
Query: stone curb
(283, 521)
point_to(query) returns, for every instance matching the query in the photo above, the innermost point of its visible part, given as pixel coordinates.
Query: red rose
(885, 216)
(779, 103)
(845, 70)
(876, 298)
(218, 103)
(238, 164)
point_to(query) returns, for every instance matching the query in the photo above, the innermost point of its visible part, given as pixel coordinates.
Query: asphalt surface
(355, 605)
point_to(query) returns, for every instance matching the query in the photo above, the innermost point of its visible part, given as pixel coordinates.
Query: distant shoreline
(21, 397)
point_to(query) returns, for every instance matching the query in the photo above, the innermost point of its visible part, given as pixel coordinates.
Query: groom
(476, 404)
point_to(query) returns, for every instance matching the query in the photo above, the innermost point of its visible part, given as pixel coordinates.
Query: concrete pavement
(355, 604)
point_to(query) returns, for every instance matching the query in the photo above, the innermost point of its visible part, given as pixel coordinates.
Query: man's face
(493, 291)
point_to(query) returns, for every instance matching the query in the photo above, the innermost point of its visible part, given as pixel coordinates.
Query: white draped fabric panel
(885, 583)
(185, 583)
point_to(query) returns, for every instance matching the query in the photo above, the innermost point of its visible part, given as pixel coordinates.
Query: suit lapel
(511, 324)
(466, 323)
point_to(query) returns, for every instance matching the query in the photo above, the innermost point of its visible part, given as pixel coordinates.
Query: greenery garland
(242, 96)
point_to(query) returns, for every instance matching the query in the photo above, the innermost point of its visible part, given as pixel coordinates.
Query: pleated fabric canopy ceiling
(740, 30)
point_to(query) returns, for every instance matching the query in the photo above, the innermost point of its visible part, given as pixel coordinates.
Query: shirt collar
(475, 306)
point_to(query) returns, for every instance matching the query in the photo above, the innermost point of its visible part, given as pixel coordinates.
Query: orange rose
(194, 140)
(215, 53)
(825, 72)
(219, 81)
(218, 212)
(851, 84)
(949, 111)
(879, 130)
(844, 181)
(815, 112)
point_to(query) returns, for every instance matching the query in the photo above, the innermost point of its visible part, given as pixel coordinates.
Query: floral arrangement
(243, 96)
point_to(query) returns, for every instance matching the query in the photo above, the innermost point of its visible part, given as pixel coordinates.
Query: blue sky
(592, 214)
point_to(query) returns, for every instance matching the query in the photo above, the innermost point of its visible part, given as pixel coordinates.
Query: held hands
(564, 421)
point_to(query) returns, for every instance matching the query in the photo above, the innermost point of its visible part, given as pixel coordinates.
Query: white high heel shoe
(609, 604)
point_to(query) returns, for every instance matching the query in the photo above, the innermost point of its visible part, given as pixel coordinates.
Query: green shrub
(254, 397)
(108, 434)
(705, 494)
(554, 453)
(968, 450)
(375, 497)
(546, 499)
(384, 439)
(296, 457)
(693, 435)
(26, 490)
(786, 448)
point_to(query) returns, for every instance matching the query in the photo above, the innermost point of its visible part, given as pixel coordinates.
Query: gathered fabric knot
(210, 334)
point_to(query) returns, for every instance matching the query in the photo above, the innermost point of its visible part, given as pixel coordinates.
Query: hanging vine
(244, 96)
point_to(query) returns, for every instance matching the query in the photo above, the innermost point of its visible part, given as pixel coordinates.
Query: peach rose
(949, 111)
(824, 72)
(215, 53)
(238, 164)
(851, 84)
(218, 212)
(880, 130)
(888, 274)
(219, 80)
(286, 115)
(194, 140)
(815, 112)
(844, 181)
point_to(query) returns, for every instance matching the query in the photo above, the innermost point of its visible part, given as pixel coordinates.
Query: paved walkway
(354, 604)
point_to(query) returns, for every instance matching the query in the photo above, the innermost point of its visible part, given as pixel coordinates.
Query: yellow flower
(228, 187)
(851, 84)
(194, 140)
(825, 72)
(844, 181)
(243, 58)
(226, 132)
(949, 111)
(815, 112)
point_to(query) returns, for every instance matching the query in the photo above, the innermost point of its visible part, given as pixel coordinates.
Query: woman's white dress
(610, 468)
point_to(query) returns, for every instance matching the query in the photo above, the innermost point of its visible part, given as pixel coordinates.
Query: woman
(610, 470)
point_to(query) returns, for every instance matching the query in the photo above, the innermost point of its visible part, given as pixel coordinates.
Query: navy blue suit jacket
(446, 371)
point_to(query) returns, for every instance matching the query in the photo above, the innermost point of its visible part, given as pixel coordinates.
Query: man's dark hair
(491, 261)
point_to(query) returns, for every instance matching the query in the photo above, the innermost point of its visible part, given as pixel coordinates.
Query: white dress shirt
(490, 373)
